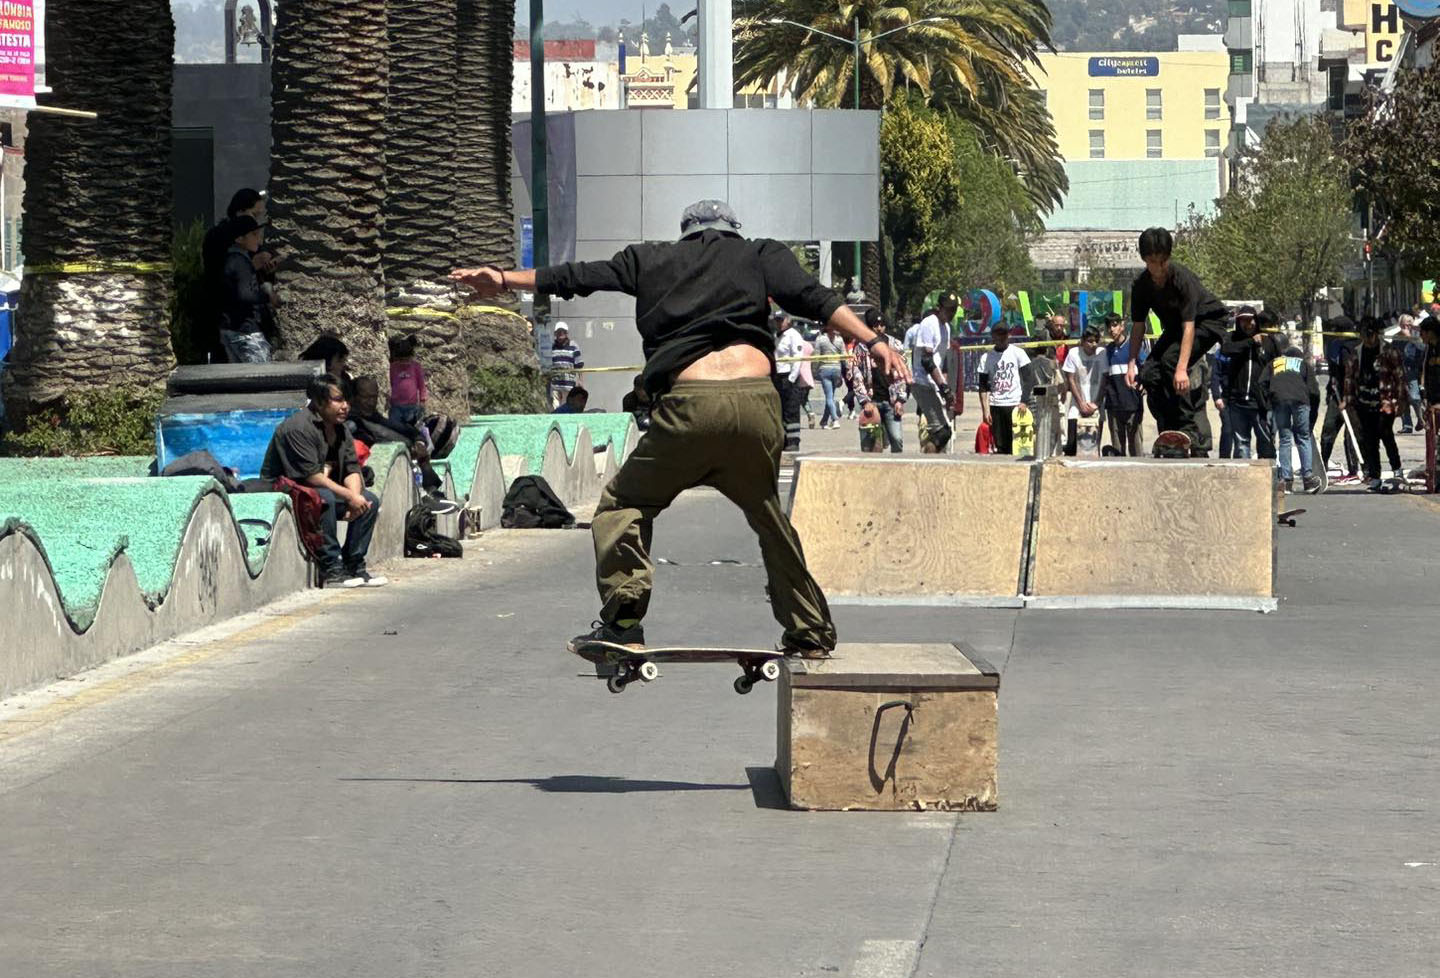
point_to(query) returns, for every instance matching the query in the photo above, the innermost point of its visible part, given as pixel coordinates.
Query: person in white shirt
(1085, 368)
(787, 375)
(1004, 379)
(930, 390)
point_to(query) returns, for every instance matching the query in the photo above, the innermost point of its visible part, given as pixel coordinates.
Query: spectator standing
(1430, 367)
(856, 364)
(1219, 371)
(1289, 386)
(930, 389)
(1337, 355)
(805, 378)
(887, 395)
(1412, 357)
(1085, 369)
(565, 359)
(1003, 379)
(1375, 387)
(1124, 411)
(336, 355)
(241, 331)
(314, 448)
(216, 245)
(1247, 351)
(789, 346)
(1057, 327)
(832, 372)
(408, 393)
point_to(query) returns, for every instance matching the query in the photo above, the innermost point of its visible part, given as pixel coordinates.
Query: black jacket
(240, 299)
(1246, 362)
(1290, 379)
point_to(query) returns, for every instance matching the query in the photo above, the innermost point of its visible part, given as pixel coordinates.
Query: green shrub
(503, 389)
(191, 335)
(109, 421)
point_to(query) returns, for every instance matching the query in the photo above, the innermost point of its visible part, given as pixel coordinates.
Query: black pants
(1334, 427)
(1125, 431)
(1377, 427)
(1002, 429)
(1174, 411)
(792, 397)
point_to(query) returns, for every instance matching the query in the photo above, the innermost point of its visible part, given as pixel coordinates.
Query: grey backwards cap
(708, 215)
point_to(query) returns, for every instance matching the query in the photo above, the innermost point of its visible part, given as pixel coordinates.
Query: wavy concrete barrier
(136, 597)
(395, 485)
(476, 476)
(576, 453)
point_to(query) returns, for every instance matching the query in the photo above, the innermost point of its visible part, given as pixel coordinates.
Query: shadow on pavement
(766, 789)
(581, 783)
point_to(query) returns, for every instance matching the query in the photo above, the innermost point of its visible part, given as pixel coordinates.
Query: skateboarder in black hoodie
(702, 309)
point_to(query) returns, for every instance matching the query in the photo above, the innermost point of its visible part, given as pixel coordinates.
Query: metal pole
(539, 146)
(857, 106)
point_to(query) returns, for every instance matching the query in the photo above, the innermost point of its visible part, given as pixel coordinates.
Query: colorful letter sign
(17, 53)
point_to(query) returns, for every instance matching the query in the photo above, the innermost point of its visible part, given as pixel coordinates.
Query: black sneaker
(629, 635)
(339, 578)
(807, 653)
(367, 579)
(1312, 484)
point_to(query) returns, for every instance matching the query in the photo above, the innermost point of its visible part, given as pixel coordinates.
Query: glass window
(1212, 103)
(1152, 103)
(1097, 104)
(1097, 144)
(1212, 142)
(1153, 147)
(1239, 8)
(1241, 62)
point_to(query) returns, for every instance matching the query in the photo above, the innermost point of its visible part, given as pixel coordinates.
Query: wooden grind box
(889, 727)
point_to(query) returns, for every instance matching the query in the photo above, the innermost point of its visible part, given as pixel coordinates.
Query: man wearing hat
(565, 358)
(702, 309)
(932, 339)
(1247, 351)
(241, 298)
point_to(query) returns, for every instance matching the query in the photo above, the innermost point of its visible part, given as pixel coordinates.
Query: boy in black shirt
(1287, 383)
(1192, 322)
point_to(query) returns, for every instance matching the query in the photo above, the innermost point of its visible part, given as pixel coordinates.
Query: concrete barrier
(478, 477)
(1154, 533)
(913, 530)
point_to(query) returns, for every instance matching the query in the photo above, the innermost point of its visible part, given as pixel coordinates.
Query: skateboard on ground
(1172, 444)
(1087, 437)
(1288, 518)
(620, 665)
(1023, 441)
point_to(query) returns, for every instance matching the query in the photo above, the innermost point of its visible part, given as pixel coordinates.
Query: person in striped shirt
(565, 358)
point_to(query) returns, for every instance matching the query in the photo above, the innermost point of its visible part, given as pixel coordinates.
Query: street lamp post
(855, 44)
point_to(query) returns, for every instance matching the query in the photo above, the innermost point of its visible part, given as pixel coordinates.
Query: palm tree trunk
(420, 227)
(327, 175)
(97, 195)
(498, 345)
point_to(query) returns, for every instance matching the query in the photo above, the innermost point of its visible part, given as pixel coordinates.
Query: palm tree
(93, 305)
(327, 174)
(499, 349)
(420, 226)
(974, 60)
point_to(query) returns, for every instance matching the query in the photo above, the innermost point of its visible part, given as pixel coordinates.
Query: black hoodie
(1290, 379)
(1247, 361)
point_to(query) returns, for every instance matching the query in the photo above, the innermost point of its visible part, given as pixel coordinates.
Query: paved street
(413, 782)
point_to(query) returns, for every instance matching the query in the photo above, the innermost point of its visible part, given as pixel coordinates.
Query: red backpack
(984, 440)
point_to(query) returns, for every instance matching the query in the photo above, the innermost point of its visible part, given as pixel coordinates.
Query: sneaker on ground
(1373, 485)
(368, 579)
(1312, 484)
(340, 578)
(631, 635)
(1349, 479)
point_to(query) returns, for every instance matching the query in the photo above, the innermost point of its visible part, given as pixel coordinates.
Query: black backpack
(532, 504)
(201, 462)
(423, 539)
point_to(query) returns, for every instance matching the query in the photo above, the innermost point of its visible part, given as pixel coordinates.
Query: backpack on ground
(444, 433)
(532, 504)
(423, 537)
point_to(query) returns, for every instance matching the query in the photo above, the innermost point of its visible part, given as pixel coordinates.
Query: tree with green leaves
(1282, 233)
(974, 60)
(1393, 152)
(952, 214)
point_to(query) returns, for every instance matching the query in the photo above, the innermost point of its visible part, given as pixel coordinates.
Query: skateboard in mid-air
(1172, 444)
(621, 665)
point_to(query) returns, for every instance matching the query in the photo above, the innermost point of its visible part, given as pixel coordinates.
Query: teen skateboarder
(702, 306)
(1192, 321)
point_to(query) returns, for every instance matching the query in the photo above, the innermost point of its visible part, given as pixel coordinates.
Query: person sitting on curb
(313, 448)
(575, 402)
(371, 428)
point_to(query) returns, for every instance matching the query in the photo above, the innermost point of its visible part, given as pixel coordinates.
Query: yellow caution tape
(423, 312)
(93, 268)
(636, 370)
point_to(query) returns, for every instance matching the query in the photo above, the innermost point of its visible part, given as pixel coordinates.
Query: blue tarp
(237, 439)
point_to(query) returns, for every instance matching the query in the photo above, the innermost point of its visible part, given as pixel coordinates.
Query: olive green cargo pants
(725, 434)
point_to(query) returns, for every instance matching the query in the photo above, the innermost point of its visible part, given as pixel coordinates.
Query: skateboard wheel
(616, 684)
(770, 670)
(743, 684)
(648, 672)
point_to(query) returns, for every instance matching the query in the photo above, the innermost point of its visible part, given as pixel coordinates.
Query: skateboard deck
(1087, 437)
(1023, 440)
(1288, 518)
(620, 665)
(1171, 444)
